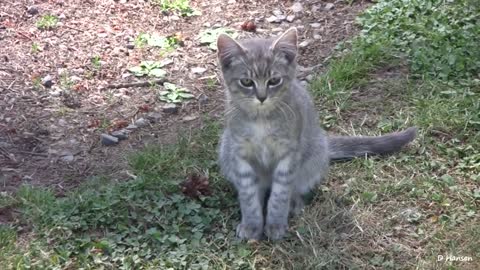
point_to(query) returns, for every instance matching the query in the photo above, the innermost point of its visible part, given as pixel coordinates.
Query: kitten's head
(258, 72)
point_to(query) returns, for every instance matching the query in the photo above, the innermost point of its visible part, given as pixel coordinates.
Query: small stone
(130, 46)
(190, 118)
(309, 78)
(277, 29)
(198, 70)
(67, 156)
(132, 127)
(154, 117)
(4, 145)
(75, 78)
(108, 140)
(62, 71)
(73, 142)
(203, 99)
(174, 18)
(259, 20)
(304, 83)
(141, 122)
(33, 10)
(281, 18)
(329, 6)
(56, 93)
(272, 19)
(117, 51)
(315, 25)
(304, 44)
(62, 122)
(170, 108)
(62, 16)
(166, 61)
(277, 12)
(47, 81)
(296, 7)
(120, 134)
(79, 71)
(317, 36)
(290, 18)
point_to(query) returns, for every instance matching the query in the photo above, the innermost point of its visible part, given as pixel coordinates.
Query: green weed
(149, 68)
(209, 36)
(439, 37)
(181, 6)
(65, 81)
(47, 22)
(35, 48)
(96, 62)
(174, 93)
(165, 43)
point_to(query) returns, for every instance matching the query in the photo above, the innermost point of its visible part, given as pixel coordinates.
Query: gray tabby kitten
(272, 141)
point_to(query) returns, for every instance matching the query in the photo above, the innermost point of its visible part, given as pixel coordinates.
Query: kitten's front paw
(275, 231)
(249, 231)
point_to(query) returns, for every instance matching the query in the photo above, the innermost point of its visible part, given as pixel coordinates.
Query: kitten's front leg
(279, 201)
(246, 183)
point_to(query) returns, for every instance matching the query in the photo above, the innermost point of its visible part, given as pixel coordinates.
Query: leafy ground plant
(47, 22)
(181, 6)
(96, 62)
(209, 36)
(174, 93)
(35, 48)
(440, 37)
(153, 40)
(149, 68)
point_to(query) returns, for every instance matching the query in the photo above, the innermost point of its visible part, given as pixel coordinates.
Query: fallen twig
(135, 84)
(73, 28)
(32, 153)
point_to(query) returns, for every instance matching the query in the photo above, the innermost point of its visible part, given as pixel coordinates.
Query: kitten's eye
(246, 83)
(275, 81)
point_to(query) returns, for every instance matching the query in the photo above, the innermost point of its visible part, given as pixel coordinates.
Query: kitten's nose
(261, 98)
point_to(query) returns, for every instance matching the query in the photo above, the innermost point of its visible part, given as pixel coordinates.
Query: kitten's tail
(345, 147)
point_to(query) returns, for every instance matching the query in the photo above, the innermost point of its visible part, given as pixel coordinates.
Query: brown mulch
(42, 128)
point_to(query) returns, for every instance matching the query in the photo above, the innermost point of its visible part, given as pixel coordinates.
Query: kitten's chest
(263, 142)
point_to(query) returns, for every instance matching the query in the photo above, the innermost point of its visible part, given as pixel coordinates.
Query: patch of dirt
(50, 136)
(6, 215)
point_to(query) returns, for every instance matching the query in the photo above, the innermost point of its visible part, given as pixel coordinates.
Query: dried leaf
(196, 185)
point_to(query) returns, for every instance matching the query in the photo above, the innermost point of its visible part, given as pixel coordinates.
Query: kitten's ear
(287, 44)
(228, 49)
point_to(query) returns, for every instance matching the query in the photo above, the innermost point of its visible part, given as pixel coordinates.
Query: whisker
(284, 113)
(294, 115)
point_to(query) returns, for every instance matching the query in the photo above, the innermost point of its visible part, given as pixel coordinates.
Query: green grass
(395, 212)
